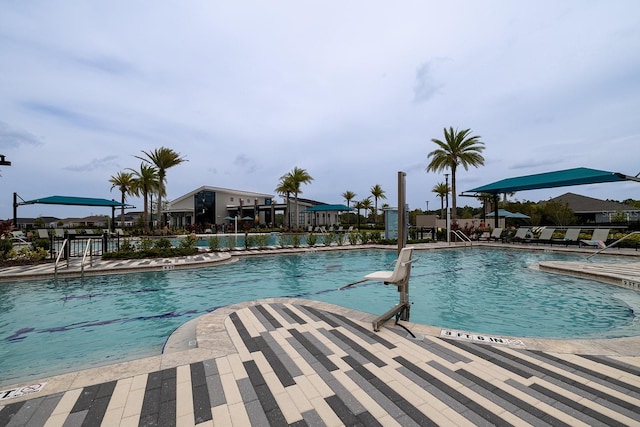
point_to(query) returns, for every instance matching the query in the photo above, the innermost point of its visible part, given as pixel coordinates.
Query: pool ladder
(88, 250)
(460, 235)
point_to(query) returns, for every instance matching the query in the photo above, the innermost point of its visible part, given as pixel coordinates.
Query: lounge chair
(570, 237)
(523, 234)
(400, 271)
(545, 236)
(598, 238)
(496, 234)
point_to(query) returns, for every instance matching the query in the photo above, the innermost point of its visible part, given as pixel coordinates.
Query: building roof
(584, 204)
(239, 193)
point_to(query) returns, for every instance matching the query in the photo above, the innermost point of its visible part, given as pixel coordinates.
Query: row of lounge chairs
(599, 237)
(331, 229)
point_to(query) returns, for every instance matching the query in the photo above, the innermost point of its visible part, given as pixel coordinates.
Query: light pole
(446, 181)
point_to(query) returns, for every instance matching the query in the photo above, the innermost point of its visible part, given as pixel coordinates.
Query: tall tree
(145, 182)
(366, 205)
(298, 176)
(285, 188)
(441, 189)
(124, 182)
(378, 193)
(162, 158)
(459, 148)
(348, 196)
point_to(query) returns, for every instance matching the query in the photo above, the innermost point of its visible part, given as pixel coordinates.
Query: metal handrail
(89, 249)
(462, 237)
(55, 267)
(613, 244)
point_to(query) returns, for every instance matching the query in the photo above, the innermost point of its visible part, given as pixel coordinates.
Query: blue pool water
(49, 327)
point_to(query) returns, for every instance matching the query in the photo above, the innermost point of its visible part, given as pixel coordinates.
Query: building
(211, 207)
(590, 210)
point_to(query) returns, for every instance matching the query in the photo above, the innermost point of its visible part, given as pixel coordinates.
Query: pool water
(49, 327)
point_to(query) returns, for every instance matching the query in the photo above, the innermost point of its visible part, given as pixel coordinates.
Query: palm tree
(163, 158)
(441, 189)
(123, 181)
(298, 176)
(145, 182)
(285, 188)
(458, 149)
(378, 193)
(358, 206)
(366, 205)
(348, 196)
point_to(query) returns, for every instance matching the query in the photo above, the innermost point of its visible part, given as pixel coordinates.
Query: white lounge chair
(570, 237)
(598, 238)
(522, 234)
(545, 235)
(400, 271)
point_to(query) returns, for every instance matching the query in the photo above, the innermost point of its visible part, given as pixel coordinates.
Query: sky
(352, 92)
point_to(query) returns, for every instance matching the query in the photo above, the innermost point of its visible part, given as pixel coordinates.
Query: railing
(60, 252)
(460, 235)
(613, 244)
(87, 250)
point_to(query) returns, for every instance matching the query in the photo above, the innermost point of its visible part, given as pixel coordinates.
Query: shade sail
(76, 201)
(327, 208)
(506, 214)
(562, 178)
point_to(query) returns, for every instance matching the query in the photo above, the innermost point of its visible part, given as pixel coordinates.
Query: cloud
(245, 163)
(426, 86)
(107, 163)
(11, 137)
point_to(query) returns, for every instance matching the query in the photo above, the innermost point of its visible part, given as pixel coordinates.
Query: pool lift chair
(399, 277)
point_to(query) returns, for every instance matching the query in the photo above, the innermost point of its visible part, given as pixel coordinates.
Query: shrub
(42, 243)
(353, 238)
(162, 243)
(340, 239)
(262, 240)
(328, 239)
(249, 240)
(214, 243)
(296, 240)
(375, 236)
(146, 244)
(190, 241)
(312, 239)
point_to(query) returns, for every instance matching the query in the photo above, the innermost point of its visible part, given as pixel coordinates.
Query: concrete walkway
(301, 362)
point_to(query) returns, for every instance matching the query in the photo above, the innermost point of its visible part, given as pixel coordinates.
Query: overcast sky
(353, 92)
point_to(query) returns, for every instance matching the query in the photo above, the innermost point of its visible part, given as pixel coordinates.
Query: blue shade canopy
(506, 214)
(327, 208)
(76, 201)
(562, 178)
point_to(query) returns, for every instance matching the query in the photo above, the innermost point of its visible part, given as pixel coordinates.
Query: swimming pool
(49, 327)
